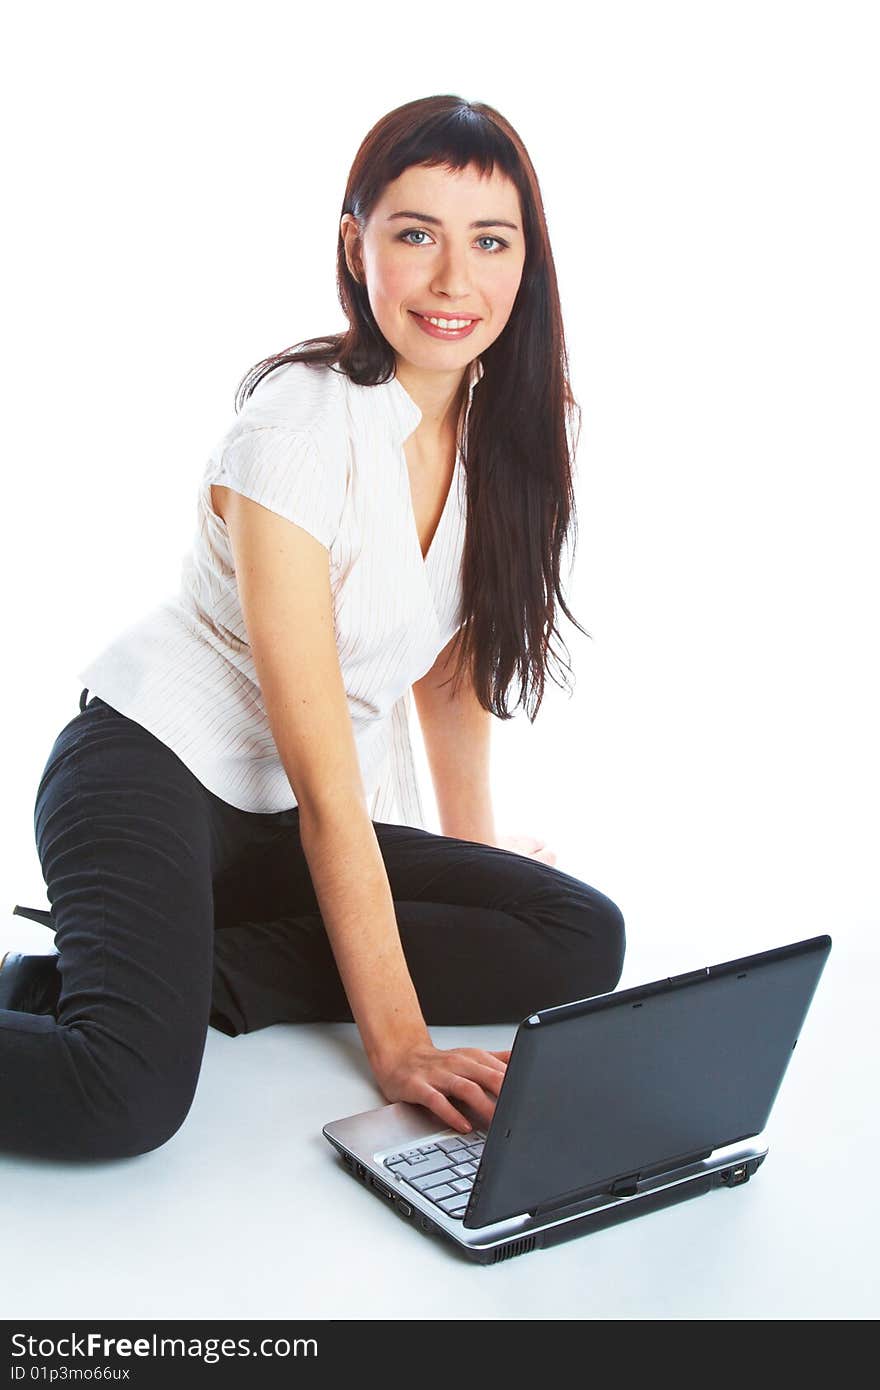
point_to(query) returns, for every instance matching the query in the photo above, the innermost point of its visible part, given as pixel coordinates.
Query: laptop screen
(602, 1090)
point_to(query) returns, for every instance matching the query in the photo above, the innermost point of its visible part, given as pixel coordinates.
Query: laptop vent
(514, 1247)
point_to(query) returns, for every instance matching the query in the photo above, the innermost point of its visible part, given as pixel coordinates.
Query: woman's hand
(425, 1075)
(527, 845)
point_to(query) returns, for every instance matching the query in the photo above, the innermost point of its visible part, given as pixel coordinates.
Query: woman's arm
(456, 732)
(283, 579)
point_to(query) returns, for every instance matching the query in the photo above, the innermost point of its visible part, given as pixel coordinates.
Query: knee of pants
(124, 1112)
(587, 943)
(145, 1127)
(611, 933)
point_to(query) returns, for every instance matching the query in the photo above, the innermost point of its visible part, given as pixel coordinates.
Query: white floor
(247, 1213)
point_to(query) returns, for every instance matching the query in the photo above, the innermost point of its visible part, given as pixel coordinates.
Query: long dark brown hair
(519, 446)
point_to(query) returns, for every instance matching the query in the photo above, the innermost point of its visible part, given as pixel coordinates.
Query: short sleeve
(289, 473)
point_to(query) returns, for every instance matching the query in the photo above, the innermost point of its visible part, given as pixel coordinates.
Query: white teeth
(448, 323)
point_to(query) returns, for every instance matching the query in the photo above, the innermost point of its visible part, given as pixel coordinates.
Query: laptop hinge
(625, 1187)
(571, 1201)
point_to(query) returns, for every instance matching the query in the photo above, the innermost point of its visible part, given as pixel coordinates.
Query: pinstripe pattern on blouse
(328, 455)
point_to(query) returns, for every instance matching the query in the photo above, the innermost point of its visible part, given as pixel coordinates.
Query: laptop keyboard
(443, 1171)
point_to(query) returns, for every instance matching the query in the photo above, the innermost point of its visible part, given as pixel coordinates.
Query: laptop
(611, 1107)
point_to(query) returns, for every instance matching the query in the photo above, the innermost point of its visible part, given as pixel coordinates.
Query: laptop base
(731, 1167)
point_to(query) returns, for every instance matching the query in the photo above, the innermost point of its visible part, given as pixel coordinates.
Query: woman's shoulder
(302, 397)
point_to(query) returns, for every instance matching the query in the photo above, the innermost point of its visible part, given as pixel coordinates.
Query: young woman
(387, 513)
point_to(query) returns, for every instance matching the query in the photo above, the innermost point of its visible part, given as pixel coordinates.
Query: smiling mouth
(441, 321)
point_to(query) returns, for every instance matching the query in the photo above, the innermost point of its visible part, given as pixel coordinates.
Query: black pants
(174, 910)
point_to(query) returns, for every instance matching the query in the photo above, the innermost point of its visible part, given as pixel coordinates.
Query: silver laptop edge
(400, 1125)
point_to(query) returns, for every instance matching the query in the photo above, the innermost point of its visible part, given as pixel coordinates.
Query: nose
(451, 276)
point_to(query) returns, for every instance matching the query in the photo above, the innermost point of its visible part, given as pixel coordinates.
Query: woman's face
(423, 253)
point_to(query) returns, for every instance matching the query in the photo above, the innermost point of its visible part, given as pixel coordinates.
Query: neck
(440, 397)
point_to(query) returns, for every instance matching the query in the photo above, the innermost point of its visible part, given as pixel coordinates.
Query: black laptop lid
(636, 1082)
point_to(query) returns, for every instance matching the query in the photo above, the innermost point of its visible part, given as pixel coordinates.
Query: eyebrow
(426, 217)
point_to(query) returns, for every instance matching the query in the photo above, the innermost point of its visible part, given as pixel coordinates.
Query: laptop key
(459, 1156)
(462, 1184)
(453, 1205)
(431, 1163)
(436, 1193)
(449, 1145)
(429, 1180)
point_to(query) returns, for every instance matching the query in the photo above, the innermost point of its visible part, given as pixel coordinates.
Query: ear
(350, 233)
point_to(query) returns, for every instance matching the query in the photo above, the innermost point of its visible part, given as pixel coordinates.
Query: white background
(173, 179)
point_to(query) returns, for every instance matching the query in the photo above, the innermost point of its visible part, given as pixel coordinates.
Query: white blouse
(328, 455)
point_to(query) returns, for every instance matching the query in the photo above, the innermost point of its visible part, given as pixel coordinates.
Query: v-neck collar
(406, 416)
(426, 561)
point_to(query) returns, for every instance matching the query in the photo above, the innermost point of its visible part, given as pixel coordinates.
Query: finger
(488, 1059)
(490, 1080)
(437, 1103)
(546, 856)
(488, 1072)
(527, 844)
(479, 1054)
(446, 1112)
(505, 1056)
(463, 1088)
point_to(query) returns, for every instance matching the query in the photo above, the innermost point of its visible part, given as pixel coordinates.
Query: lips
(449, 334)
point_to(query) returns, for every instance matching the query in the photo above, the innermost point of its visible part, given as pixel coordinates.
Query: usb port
(734, 1176)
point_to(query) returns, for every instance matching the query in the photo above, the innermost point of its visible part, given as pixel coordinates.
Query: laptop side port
(734, 1176)
(390, 1196)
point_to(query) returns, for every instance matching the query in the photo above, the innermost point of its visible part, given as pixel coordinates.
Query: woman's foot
(29, 984)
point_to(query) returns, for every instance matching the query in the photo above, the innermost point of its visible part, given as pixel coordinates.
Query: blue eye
(420, 231)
